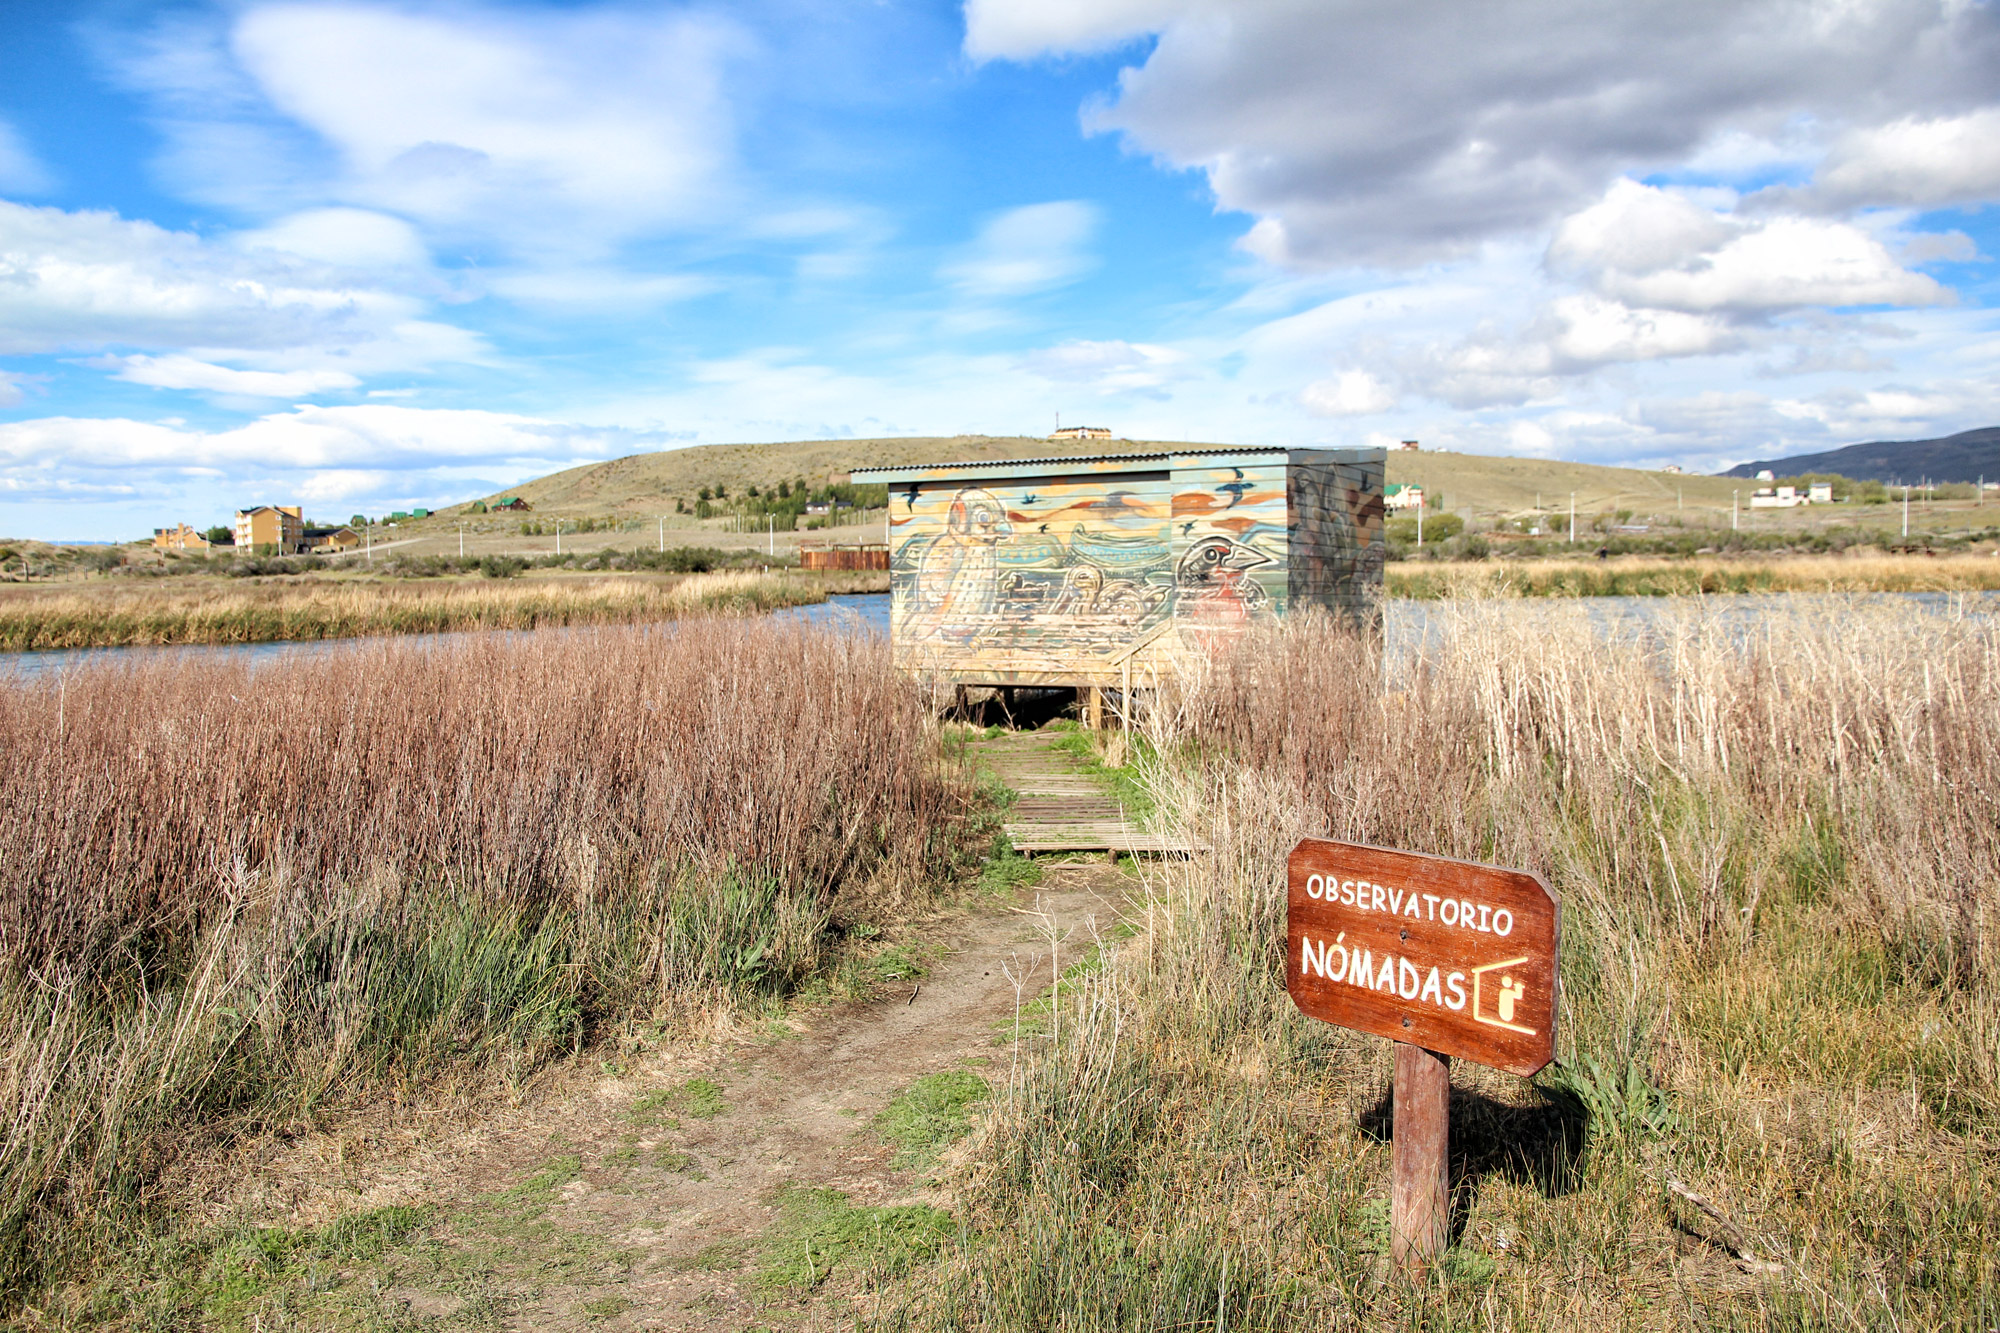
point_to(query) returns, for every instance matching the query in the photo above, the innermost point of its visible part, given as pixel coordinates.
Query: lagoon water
(1411, 627)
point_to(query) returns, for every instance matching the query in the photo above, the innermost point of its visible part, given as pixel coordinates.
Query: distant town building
(1410, 445)
(1820, 493)
(1402, 495)
(1671, 467)
(282, 526)
(332, 541)
(1767, 475)
(1779, 497)
(512, 502)
(1082, 433)
(181, 537)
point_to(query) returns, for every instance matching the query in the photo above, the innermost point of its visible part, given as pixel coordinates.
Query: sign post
(1448, 959)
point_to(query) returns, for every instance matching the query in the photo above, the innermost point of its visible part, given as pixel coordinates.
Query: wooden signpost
(1445, 958)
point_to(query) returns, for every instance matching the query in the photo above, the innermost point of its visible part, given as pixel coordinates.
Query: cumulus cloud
(1026, 250)
(1356, 132)
(1917, 162)
(239, 319)
(1653, 247)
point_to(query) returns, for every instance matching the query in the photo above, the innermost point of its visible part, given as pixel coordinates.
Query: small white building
(1781, 497)
(1402, 495)
(1082, 433)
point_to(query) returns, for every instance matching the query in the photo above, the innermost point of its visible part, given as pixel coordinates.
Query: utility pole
(368, 529)
(1733, 493)
(461, 541)
(1420, 518)
(558, 536)
(663, 534)
(1572, 518)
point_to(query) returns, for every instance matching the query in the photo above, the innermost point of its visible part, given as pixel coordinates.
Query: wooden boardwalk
(1060, 807)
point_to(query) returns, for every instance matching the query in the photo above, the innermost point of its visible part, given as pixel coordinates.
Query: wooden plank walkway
(1060, 808)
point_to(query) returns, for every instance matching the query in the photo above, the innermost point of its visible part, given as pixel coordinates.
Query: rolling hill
(647, 484)
(1966, 456)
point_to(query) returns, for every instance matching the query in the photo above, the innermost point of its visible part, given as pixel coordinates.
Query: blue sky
(375, 255)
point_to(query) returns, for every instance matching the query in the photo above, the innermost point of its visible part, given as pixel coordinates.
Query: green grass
(698, 1098)
(819, 1232)
(931, 1114)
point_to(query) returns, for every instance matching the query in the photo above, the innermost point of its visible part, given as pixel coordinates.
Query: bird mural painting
(1213, 597)
(958, 579)
(1235, 489)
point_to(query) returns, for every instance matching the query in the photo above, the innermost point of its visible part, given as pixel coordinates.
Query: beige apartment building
(180, 537)
(282, 526)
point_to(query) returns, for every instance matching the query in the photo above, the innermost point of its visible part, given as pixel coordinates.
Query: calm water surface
(1412, 627)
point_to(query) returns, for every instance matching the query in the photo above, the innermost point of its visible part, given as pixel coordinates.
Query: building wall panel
(1073, 572)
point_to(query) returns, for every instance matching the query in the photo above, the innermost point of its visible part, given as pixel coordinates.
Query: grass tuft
(931, 1114)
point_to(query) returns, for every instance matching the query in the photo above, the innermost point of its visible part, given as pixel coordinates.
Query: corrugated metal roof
(1078, 458)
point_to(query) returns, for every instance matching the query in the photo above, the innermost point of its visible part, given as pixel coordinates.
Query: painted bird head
(1213, 560)
(976, 515)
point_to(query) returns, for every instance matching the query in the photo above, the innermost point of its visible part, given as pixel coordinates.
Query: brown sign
(1451, 956)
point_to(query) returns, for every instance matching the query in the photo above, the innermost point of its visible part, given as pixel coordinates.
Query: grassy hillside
(644, 484)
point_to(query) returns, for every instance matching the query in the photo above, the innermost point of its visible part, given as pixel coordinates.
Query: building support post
(1095, 708)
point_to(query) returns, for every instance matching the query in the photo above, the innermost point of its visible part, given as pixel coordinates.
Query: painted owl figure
(959, 575)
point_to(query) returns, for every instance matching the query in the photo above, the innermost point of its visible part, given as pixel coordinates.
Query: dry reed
(1777, 848)
(238, 611)
(1650, 576)
(231, 890)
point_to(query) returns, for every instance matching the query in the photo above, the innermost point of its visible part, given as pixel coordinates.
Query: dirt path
(711, 1186)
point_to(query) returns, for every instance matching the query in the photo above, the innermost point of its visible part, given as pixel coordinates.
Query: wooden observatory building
(1109, 571)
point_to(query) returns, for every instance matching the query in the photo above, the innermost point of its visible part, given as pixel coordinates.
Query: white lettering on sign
(1360, 894)
(1332, 960)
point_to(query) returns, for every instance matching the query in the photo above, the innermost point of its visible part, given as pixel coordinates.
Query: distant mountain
(1966, 456)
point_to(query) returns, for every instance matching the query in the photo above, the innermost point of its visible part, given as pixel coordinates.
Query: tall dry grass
(230, 891)
(1778, 851)
(1659, 576)
(231, 611)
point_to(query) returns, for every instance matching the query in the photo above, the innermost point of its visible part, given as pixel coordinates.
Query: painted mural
(1087, 577)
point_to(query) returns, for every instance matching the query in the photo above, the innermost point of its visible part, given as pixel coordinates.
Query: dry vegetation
(1777, 853)
(282, 609)
(230, 895)
(1642, 576)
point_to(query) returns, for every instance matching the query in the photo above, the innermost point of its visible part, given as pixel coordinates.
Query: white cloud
(185, 372)
(309, 440)
(1359, 132)
(1109, 367)
(226, 318)
(10, 389)
(1352, 393)
(1027, 250)
(1921, 162)
(21, 172)
(563, 130)
(348, 237)
(1023, 29)
(599, 288)
(1653, 247)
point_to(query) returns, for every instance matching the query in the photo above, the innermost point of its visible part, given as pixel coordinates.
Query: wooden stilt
(1096, 708)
